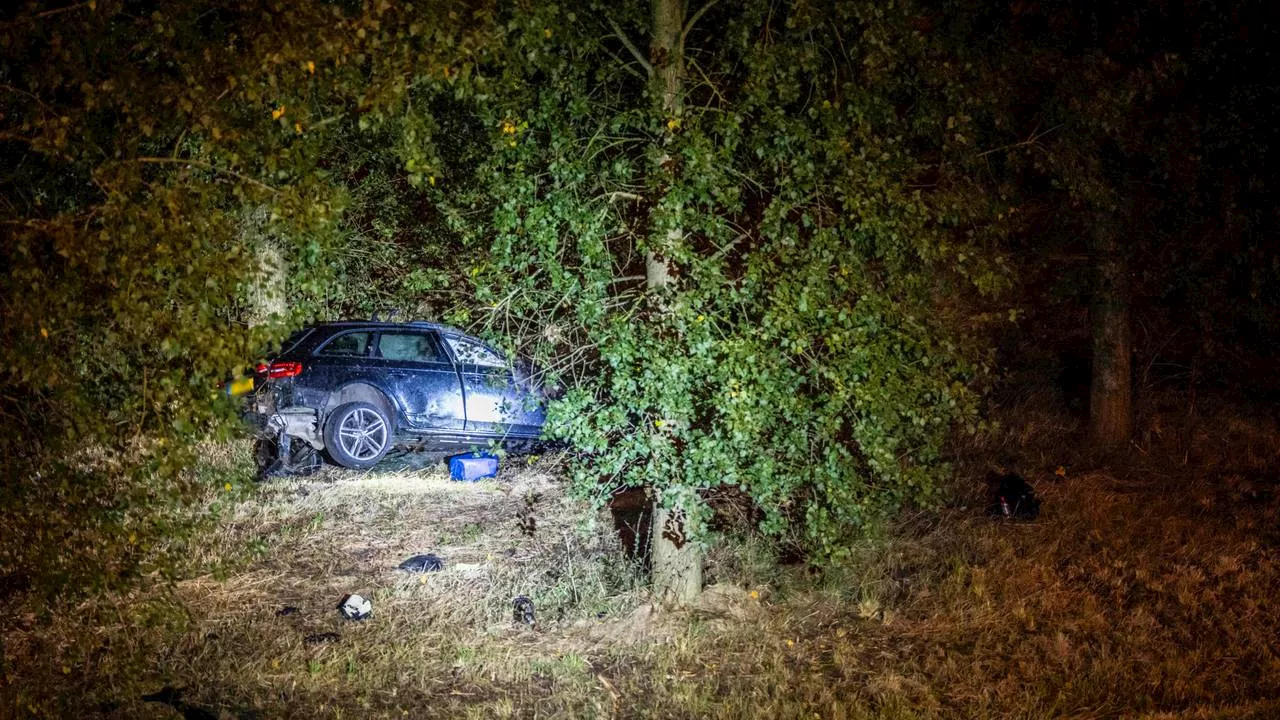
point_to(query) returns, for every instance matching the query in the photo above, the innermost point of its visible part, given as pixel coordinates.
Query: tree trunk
(1110, 396)
(677, 563)
(266, 301)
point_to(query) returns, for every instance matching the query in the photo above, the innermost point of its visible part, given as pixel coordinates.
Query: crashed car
(355, 389)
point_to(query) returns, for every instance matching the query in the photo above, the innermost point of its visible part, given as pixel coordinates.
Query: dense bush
(172, 171)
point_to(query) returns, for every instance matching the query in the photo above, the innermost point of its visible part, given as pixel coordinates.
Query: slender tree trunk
(266, 296)
(1110, 397)
(677, 563)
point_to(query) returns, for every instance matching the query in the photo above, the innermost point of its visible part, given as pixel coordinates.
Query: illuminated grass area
(1134, 594)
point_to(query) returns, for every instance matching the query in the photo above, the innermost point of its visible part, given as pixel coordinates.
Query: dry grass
(1151, 592)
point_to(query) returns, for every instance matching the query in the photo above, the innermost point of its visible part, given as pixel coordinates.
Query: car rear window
(409, 346)
(293, 340)
(353, 344)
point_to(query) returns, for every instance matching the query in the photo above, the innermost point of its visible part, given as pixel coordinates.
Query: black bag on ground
(1011, 497)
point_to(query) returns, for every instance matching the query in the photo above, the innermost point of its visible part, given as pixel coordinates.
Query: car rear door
(335, 361)
(496, 404)
(422, 379)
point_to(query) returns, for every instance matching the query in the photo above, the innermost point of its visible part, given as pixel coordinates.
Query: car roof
(380, 324)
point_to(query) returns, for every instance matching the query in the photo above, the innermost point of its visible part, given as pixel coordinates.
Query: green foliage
(150, 160)
(821, 248)
(816, 348)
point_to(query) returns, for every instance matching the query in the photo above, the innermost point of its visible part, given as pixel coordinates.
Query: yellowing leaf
(431, 179)
(44, 333)
(673, 124)
(546, 33)
(311, 67)
(297, 128)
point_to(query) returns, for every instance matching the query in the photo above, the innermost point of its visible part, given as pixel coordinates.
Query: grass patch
(1149, 591)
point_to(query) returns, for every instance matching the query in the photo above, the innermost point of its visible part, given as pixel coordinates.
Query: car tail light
(278, 370)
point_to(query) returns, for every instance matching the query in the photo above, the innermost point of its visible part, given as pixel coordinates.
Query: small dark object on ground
(528, 523)
(1011, 497)
(324, 637)
(172, 697)
(423, 563)
(354, 607)
(523, 614)
(287, 610)
(281, 455)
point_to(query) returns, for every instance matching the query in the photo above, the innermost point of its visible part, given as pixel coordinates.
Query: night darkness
(738, 358)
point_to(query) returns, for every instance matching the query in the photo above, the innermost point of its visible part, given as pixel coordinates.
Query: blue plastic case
(473, 466)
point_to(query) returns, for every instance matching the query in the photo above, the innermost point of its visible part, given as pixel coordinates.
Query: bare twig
(24, 19)
(206, 166)
(59, 11)
(1033, 139)
(635, 52)
(696, 16)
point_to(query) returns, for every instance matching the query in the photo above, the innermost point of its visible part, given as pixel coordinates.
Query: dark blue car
(354, 389)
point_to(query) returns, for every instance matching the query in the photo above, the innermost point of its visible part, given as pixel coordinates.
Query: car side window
(469, 353)
(409, 346)
(354, 344)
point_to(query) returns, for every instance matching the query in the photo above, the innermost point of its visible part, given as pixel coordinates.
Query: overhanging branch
(630, 46)
(693, 20)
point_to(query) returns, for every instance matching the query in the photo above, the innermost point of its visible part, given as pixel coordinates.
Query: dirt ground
(1142, 591)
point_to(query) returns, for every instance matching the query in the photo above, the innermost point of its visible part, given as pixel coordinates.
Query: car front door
(496, 404)
(422, 379)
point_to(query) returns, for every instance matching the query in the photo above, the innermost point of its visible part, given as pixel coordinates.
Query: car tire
(357, 435)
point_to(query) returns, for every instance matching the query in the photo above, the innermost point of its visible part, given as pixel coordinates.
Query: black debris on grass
(423, 563)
